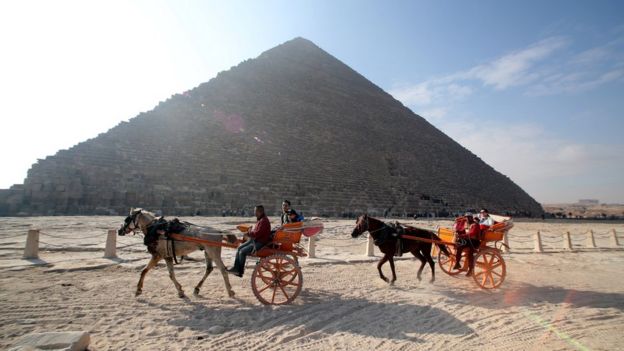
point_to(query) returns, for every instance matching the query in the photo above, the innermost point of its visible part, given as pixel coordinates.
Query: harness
(152, 232)
(395, 230)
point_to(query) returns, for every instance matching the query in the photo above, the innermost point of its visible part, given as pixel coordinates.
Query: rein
(384, 226)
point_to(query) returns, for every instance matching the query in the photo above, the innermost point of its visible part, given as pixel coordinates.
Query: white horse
(163, 249)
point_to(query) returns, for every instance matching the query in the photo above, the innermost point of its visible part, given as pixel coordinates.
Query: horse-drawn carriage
(489, 265)
(277, 277)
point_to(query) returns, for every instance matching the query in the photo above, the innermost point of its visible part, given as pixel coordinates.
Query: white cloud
(515, 68)
(434, 113)
(431, 92)
(506, 71)
(575, 82)
(548, 167)
(532, 67)
(418, 94)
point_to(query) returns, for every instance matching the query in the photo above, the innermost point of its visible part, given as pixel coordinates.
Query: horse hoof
(419, 279)
(231, 293)
(391, 283)
(137, 293)
(181, 295)
(196, 292)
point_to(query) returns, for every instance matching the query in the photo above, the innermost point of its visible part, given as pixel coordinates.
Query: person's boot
(457, 261)
(470, 264)
(235, 272)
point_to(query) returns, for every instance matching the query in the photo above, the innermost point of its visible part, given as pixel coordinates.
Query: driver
(259, 236)
(469, 239)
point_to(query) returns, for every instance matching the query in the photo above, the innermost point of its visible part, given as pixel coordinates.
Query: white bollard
(614, 238)
(592, 242)
(111, 244)
(538, 242)
(312, 247)
(32, 244)
(370, 246)
(506, 247)
(567, 241)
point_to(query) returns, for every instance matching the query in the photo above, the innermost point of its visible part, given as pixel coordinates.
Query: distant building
(588, 202)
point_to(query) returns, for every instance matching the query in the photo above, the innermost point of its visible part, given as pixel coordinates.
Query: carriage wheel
(489, 270)
(446, 262)
(276, 280)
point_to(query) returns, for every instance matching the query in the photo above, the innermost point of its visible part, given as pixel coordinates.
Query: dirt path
(550, 301)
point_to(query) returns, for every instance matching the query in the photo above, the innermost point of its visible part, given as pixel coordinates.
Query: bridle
(367, 228)
(132, 219)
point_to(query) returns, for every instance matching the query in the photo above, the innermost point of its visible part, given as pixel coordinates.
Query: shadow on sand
(524, 294)
(328, 313)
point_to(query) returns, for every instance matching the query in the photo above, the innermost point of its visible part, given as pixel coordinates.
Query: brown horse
(386, 237)
(163, 249)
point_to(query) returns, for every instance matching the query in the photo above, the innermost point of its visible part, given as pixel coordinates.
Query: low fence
(544, 240)
(336, 240)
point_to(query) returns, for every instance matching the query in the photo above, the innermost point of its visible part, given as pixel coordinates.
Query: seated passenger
(485, 221)
(289, 215)
(259, 236)
(295, 217)
(469, 240)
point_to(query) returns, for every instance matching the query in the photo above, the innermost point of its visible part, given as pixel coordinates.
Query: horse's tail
(441, 246)
(231, 238)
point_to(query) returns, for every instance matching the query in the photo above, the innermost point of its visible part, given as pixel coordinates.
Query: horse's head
(361, 225)
(136, 220)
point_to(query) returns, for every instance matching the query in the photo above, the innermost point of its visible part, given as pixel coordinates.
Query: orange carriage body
(490, 269)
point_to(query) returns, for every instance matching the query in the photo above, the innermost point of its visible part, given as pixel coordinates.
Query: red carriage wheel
(447, 262)
(489, 270)
(276, 280)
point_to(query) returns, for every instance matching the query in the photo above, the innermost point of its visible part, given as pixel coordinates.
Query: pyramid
(294, 123)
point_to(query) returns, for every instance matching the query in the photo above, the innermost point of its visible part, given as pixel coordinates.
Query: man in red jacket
(259, 236)
(468, 239)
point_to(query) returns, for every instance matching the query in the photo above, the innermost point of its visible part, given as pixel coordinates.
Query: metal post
(506, 247)
(111, 244)
(538, 242)
(567, 241)
(592, 242)
(312, 247)
(370, 246)
(32, 244)
(614, 238)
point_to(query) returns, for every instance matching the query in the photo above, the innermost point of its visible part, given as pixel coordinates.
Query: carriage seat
(283, 240)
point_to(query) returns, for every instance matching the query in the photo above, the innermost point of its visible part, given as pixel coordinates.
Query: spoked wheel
(489, 270)
(446, 262)
(276, 280)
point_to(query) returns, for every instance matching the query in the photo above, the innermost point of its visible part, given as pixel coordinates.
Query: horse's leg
(215, 252)
(151, 264)
(169, 261)
(381, 263)
(427, 254)
(206, 273)
(423, 261)
(391, 259)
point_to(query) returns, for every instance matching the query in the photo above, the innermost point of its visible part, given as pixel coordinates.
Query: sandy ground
(556, 300)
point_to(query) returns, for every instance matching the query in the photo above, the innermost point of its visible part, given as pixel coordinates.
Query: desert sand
(556, 300)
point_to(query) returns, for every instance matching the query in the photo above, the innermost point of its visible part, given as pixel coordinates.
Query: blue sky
(534, 88)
